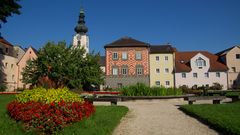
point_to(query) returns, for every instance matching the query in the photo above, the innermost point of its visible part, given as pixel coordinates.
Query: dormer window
(200, 62)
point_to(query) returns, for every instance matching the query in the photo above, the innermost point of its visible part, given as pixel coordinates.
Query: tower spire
(81, 28)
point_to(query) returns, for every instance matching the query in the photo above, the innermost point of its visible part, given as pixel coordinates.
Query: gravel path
(159, 117)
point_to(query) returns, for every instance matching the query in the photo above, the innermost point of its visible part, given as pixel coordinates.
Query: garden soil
(159, 117)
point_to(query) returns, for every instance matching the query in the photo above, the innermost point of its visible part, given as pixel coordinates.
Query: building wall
(161, 65)
(201, 79)
(131, 62)
(84, 41)
(233, 76)
(18, 52)
(29, 55)
(9, 71)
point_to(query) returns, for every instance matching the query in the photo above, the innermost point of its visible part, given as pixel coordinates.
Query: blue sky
(211, 25)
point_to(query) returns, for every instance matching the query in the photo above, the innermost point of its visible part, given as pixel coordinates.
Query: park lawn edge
(218, 128)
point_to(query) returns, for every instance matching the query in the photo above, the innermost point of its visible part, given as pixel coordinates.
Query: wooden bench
(112, 100)
(215, 99)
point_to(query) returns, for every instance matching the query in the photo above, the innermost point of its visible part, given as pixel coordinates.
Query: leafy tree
(58, 65)
(8, 8)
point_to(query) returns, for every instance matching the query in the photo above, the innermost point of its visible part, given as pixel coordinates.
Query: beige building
(231, 57)
(30, 54)
(8, 65)
(161, 66)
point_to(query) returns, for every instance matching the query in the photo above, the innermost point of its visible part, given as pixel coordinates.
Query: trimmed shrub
(141, 89)
(2, 87)
(48, 95)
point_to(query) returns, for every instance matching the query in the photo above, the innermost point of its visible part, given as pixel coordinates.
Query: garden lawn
(224, 118)
(103, 122)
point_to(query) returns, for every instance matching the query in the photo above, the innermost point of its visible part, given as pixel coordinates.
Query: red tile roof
(182, 61)
(4, 41)
(127, 42)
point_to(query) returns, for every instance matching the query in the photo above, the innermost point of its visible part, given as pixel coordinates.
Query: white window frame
(157, 83)
(167, 83)
(115, 55)
(157, 58)
(184, 75)
(124, 56)
(195, 75)
(166, 58)
(166, 70)
(114, 71)
(138, 55)
(206, 75)
(157, 70)
(218, 74)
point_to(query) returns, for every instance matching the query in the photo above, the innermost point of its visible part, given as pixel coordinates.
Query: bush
(141, 89)
(216, 86)
(51, 117)
(48, 95)
(2, 87)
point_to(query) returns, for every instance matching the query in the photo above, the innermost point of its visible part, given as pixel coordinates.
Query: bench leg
(216, 101)
(113, 103)
(190, 102)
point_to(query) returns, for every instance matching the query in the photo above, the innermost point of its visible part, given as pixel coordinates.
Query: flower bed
(49, 110)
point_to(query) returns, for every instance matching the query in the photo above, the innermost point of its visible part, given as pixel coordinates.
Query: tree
(58, 66)
(8, 8)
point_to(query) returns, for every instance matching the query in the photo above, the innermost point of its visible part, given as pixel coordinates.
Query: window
(6, 64)
(237, 56)
(157, 70)
(124, 55)
(167, 83)
(206, 75)
(6, 50)
(119, 85)
(79, 42)
(183, 75)
(166, 70)
(157, 83)
(115, 56)
(124, 70)
(11, 65)
(234, 69)
(195, 75)
(139, 70)
(138, 55)
(166, 58)
(200, 62)
(157, 58)
(13, 77)
(30, 52)
(218, 74)
(115, 71)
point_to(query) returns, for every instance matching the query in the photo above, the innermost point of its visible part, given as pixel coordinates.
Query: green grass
(102, 122)
(223, 117)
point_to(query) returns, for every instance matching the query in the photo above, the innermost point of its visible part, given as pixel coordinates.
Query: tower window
(157, 70)
(79, 42)
(157, 58)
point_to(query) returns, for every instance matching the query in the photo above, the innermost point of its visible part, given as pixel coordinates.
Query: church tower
(81, 38)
